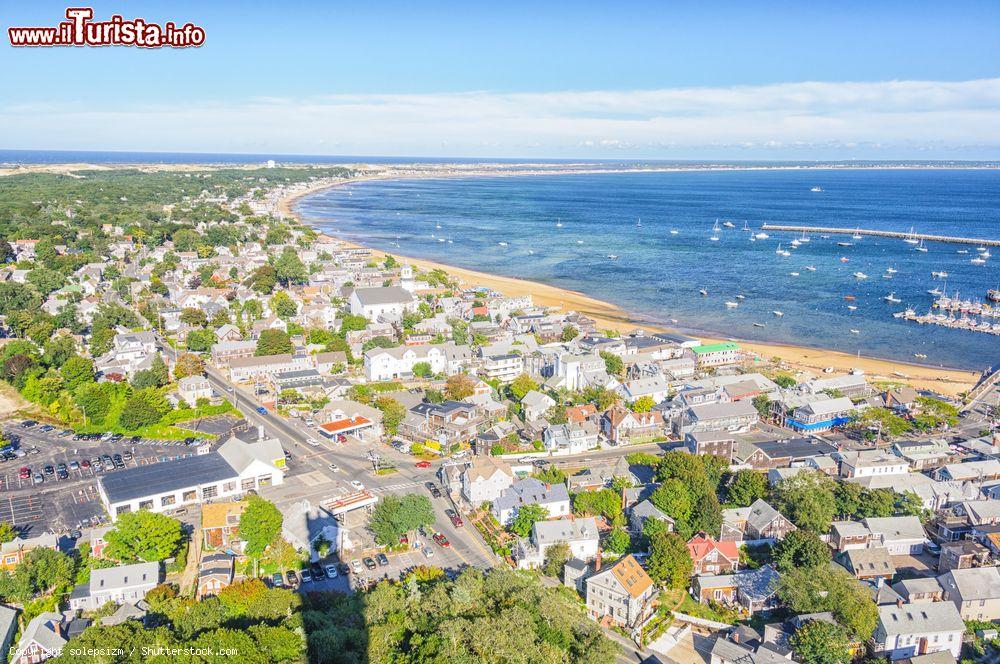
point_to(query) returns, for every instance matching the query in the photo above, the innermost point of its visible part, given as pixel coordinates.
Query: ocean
(509, 226)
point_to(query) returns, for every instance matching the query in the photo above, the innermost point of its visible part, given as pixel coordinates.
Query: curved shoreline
(609, 316)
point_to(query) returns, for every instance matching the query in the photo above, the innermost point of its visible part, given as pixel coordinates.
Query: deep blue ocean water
(658, 275)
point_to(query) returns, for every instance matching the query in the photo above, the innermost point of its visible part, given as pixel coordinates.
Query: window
(210, 491)
(229, 487)
(168, 500)
(264, 480)
(189, 496)
(123, 509)
(247, 484)
(146, 505)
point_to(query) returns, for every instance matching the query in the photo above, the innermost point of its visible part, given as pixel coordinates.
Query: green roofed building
(717, 355)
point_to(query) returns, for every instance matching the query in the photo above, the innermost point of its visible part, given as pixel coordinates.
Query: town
(210, 403)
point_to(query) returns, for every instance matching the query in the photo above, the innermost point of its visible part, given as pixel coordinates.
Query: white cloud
(892, 119)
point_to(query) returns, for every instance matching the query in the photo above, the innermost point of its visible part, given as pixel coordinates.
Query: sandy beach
(950, 382)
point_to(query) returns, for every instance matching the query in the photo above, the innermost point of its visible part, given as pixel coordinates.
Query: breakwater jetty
(894, 234)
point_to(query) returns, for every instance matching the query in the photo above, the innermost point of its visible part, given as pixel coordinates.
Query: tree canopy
(143, 535)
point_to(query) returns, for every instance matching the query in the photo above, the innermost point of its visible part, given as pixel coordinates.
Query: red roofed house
(711, 557)
(580, 414)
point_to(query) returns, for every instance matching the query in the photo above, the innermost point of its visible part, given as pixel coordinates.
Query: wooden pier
(894, 234)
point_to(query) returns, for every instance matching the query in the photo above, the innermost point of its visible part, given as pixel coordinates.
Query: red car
(441, 540)
(404, 540)
(25, 473)
(423, 464)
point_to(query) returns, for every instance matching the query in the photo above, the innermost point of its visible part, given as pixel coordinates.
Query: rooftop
(168, 476)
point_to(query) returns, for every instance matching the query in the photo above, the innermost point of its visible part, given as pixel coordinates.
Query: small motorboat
(853, 331)
(613, 257)
(731, 305)
(703, 292)
(777, 313)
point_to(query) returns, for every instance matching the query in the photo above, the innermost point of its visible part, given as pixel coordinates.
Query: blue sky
(753, 80)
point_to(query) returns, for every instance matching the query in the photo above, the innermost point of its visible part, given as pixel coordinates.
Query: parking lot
(58, 492)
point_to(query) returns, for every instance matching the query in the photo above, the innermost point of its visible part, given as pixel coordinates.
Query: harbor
(954, 312)
(950, 239)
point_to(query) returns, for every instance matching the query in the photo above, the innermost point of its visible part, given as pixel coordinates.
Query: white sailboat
(921, 246)
(762, 236)
(816, 190)
(715, 232)
(782, 252)
(638, 223)
(891, 297)
(746, 225)
(910, 239)
(804, 238)
(857, 233)
(559, 224)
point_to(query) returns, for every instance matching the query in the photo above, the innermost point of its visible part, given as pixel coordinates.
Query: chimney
(899, 603)
(597, 561)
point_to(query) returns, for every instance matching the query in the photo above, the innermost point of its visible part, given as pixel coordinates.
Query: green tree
(808, 500)
(77, 371)
(290, 268)
(393, 413)
(260, 525)
(422, 369)
(830, 588)
(7, 532)
(143, 408)
(643, 404)
(613, 364)
(200, 340)
(143, 535)
(877, 503)
(526, 518)
(94, 400)
(521, 385)
(669, 563)
(618, 541)
(263, 280)
(673, 499)
(604, 503)
(821, 642)
(909, 503)
(800, 548)
(746, 486)
(568, 333)
(763, 405)
(396, 515)
(556, 557)
(273, 342)
(194, 317)
(706, 515)
(283, 305)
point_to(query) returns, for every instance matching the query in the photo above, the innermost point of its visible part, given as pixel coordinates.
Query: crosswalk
(396, 487)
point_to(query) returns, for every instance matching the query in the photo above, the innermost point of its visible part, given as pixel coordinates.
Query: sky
(601, 80)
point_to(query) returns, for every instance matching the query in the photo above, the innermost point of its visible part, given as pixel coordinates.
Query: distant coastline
(610, 316)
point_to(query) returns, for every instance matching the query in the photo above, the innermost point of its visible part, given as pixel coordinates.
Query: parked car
(24, 473)
(428, 552)
(423, 464)
(306, 575)
(317, 571)
(119, 462)
(38, 478)
(277, 581)
(85, 464)
(65, 432)
(49, 470)
(331, 571)
(382, 560)
(344, 568)
(334, 467)
(456, 520)
(291, 578)
(404, 540)
(441, 540)
(435, 492)
(74, 465)
(369, 563)
(356, 566)
(27, 424)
